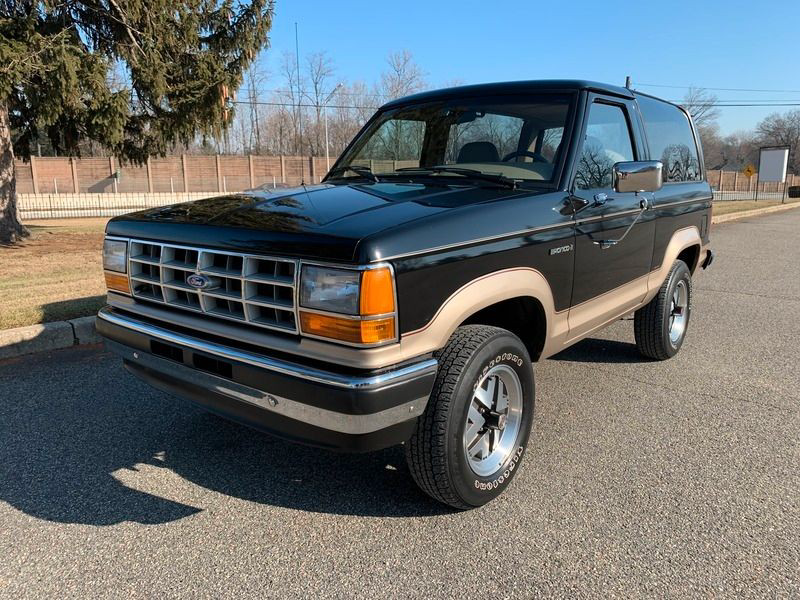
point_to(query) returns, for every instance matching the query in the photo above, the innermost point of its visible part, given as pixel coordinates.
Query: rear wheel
(660, 326)
(469, 442)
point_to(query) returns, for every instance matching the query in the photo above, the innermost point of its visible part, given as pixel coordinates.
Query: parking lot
(657, 479)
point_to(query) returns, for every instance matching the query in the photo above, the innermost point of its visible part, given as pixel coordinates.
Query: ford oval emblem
(197, 281)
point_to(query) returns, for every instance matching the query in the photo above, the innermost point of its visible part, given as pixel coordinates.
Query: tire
(448, 456)
(657, 327)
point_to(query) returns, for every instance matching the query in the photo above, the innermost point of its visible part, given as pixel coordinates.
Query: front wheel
(469, 442)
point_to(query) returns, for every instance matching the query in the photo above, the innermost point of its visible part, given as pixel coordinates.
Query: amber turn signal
(355, 331)
(377, 292)
(117, 282)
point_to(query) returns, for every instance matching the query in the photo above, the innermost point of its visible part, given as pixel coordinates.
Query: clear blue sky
(706, 43)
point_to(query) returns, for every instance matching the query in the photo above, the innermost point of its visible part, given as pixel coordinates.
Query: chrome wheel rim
(678, 312)
(494, 418)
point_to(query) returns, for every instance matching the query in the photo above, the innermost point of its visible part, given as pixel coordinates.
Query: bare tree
(403, 76)
(320, 71)
(702, 105)
(782, 130)
(255, 77)
(292, 94)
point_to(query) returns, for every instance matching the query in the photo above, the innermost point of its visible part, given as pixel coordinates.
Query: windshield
(508, 136)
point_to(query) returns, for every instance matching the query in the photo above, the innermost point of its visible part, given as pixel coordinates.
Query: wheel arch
(685, 243)
(495, 299)
(691, 256)
(524, 316)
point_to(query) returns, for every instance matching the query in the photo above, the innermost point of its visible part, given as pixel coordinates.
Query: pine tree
(133, 75)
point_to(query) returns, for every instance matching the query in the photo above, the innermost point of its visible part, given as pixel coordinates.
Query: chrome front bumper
(350, 411)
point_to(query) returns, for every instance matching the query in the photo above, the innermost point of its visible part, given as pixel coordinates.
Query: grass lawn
(55, 274)
(724, 208)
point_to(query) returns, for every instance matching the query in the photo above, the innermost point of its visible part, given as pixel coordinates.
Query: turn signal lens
(354, 331)
(117, 282)
(377, 294)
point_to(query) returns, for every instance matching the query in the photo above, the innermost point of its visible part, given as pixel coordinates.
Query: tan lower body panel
(592, 315)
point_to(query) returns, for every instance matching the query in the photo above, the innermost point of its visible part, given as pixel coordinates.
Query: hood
(323, 221)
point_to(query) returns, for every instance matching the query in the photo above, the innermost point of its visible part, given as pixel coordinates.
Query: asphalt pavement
(679, 478)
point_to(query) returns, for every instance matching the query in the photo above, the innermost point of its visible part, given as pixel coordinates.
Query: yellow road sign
(749, 170)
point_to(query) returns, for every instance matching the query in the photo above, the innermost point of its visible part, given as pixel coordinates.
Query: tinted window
(550, 142)
(607, 141)
(395, 140)
(500, 130)
(670, 139)
(475, 133)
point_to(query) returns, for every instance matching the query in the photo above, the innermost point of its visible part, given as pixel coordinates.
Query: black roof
(514, 87)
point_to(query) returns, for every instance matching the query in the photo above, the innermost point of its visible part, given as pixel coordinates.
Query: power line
(717, 89)
(339, 93)
(295, 105)
(735, 104)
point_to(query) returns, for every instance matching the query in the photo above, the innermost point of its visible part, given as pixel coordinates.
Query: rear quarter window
(670, 139)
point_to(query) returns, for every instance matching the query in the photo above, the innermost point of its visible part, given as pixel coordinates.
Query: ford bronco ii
(463, 234)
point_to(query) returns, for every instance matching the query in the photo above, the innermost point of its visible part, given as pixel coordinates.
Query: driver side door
(608, 278)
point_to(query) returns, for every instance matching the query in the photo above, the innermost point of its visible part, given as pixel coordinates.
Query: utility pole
(299, 103)
(325, 115)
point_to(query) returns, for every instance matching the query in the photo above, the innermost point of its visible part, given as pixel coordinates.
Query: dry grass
(724, 208)
(55, 274)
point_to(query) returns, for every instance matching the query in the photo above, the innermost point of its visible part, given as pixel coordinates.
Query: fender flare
(680, 241)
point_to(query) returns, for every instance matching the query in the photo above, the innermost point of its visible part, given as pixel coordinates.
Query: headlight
(334, 290)
(115, 255)
(364, 298)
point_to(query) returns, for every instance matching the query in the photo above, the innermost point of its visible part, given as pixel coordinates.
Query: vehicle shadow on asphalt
(596, 350)
(84, 455)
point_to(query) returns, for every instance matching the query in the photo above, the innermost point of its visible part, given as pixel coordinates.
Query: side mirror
(638, 176)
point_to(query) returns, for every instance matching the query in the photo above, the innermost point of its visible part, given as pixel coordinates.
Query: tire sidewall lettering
(508, 469)
(505, 357)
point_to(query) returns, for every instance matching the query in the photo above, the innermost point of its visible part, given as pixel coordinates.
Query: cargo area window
(670, 139)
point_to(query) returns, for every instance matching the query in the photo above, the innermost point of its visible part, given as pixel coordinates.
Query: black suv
(463, 234)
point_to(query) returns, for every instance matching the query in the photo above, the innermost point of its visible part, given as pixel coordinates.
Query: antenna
(628, 82)
(299, 108)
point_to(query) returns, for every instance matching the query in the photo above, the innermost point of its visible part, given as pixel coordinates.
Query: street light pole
(325, 115)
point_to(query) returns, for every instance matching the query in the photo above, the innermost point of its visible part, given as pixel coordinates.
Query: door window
(607, 141)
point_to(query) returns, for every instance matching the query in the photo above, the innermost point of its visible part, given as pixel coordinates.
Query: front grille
(259, 290)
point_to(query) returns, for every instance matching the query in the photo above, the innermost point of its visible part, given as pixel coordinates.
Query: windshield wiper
(364, 172)
(501, 180)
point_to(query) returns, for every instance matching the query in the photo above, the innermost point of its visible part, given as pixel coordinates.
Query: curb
(753, 213)
(47, 336)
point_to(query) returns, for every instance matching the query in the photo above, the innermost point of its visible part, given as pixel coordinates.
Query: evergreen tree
(134, 75)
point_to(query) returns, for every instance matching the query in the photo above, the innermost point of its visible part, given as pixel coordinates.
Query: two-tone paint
(523, 258)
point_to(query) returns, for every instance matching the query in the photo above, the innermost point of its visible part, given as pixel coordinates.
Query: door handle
(644, 204)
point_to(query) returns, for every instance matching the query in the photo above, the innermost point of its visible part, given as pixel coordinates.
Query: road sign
(749, 171)
(772, 164)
